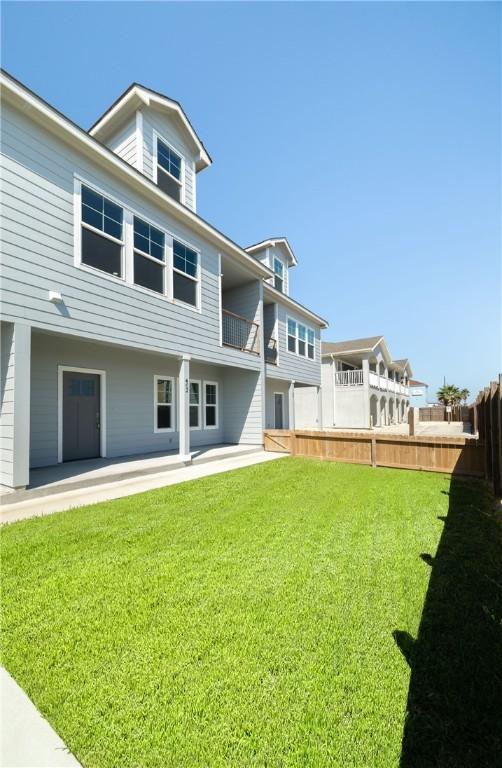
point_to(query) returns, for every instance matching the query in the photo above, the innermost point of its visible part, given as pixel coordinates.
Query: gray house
(362, 386)
(128, 323)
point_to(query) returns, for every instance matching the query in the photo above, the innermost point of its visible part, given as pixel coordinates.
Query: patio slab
(73, 475)
(106, 491)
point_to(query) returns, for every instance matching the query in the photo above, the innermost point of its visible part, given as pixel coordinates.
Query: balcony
(240, 333)
(271, 351)
(355, 378)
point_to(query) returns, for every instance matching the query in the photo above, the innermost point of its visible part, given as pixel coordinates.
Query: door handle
(98, 425)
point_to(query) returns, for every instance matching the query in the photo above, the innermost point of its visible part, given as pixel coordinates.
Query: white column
(291, 405)
(15, 415)
(184, 407)
(366, 392)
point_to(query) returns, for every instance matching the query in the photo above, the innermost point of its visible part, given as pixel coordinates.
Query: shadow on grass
(454, 709)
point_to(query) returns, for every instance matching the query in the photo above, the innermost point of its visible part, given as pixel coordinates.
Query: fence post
(292, 442)
(411, 422)
(373, 451)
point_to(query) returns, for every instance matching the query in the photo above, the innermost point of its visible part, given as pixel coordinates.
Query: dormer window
(278, 275)
(169, 176)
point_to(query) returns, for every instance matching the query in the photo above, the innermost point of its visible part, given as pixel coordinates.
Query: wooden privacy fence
(438, 413)
(486, 418)
(459, 455)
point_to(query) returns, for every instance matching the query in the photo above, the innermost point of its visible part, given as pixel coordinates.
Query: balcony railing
(349, 378)
(271, 351)
(240, 333)
(355, 378)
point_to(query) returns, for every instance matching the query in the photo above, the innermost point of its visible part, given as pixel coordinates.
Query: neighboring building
(128, 323)
(418, 393)
(362, 386)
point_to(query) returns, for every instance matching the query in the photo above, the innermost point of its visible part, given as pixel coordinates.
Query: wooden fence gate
(486, 418)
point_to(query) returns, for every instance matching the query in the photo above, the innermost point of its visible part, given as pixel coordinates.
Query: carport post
(184, 408)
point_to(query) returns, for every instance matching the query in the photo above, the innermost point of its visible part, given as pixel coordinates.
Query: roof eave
(267, 288)
(88, 143)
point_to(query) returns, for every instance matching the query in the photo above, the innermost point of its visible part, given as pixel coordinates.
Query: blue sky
(367, 133)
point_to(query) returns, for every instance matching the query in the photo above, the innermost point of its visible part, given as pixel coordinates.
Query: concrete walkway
(118, 488)
(27, 740)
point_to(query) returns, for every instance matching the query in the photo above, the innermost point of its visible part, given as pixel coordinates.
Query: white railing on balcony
(352, 378)
(239, 332)
(355, 378)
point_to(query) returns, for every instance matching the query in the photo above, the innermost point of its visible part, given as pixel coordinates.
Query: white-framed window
(113, 239)
(194, 405)
(292, 336)
(278, 274)
(169, 169)
(310, 343)
(164, 414)
(149, 256)
(185, 274)
(301, 339)
(211, 417)
(102, 232)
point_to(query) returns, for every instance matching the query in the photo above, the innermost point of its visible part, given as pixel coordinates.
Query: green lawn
(265, 617)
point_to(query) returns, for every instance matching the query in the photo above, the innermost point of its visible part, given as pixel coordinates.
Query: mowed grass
(244, 619)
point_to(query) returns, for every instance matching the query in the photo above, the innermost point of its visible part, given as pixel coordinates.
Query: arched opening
(391, 411)
(383, 412)
(374, 410)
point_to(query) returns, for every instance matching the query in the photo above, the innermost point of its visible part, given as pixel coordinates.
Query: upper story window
(185, 273)
(278, 275)
(102, 233)
(301, 339)
(111, 238)
(149, 256)
(169, 170)
(310, 343)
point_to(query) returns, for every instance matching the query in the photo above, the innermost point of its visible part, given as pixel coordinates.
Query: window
(279, 275)
(301, 339)
(168, 171)
(291, 336)
(195, 405)
(302, 336)
(210, 405)
(149, 261)
(185, 274)
(102, 233)
(164, 404)
(310, 343)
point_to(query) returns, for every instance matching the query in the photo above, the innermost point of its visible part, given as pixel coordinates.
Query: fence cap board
(319, 434)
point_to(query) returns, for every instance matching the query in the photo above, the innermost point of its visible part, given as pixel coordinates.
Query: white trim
(127, 244)
(192, 405)
(147, 96)
(102, 406)
(181, 181)
(297, 338)
(220, 302)
(293, 305)
(172, 428)
(273, 243)
(282, 409)
(140, 143)
(214, 405)
(88, 143)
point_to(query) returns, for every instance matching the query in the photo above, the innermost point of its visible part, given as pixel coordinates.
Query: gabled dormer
(153, 134)
(277, 255)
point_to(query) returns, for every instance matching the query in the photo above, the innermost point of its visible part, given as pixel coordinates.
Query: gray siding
(124, 143)
(7, 359)
(268, 321)
(244, 301)
(129, 397)
(242, 407)
(290, 366)
(172, 133)
(38, 256)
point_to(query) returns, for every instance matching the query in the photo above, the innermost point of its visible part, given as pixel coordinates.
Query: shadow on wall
(454, 709)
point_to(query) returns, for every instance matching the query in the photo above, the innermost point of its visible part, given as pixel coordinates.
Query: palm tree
(464, 395)
(448, 394)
